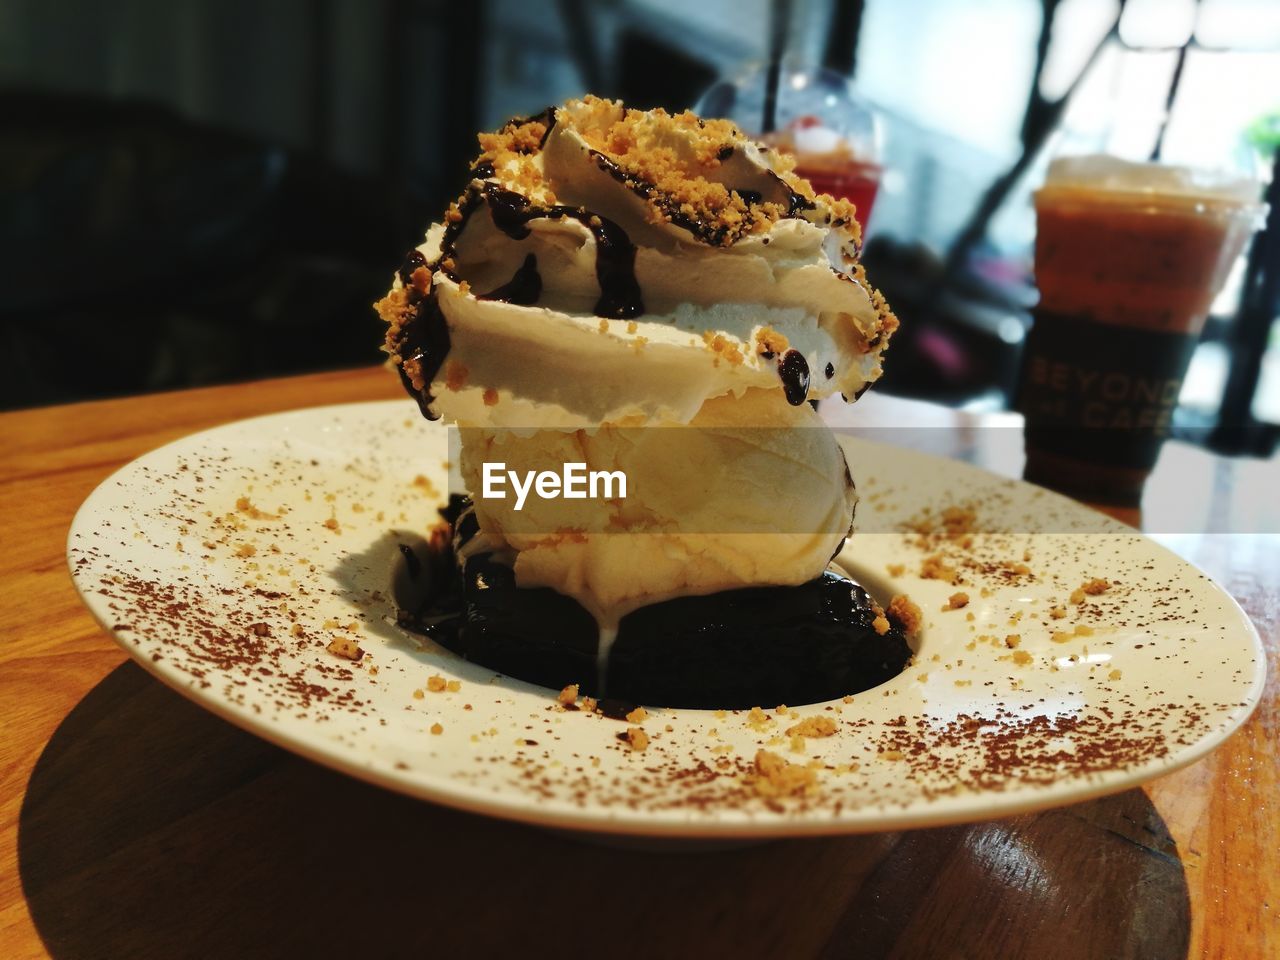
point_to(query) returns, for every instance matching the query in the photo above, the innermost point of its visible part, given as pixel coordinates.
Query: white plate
(234, 606)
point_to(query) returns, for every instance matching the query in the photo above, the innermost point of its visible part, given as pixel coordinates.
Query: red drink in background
(854, 180)
(832, 162)
(817, 117)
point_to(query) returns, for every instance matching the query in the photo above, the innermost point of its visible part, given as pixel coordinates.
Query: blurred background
(213, 190)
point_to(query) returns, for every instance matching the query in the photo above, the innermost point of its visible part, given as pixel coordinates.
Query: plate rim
(628, 822)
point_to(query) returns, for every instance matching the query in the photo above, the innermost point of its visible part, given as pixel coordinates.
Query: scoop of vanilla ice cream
(751, 491)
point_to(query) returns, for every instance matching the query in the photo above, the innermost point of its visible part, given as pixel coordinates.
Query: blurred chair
(144, 251)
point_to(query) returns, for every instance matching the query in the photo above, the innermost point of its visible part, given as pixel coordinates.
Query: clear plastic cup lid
(1156, 180)
(815, 112)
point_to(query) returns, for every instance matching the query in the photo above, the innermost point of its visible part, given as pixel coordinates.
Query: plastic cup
(833, 134)
(1128, 259)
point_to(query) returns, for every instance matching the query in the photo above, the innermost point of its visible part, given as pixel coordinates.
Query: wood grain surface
(134, 824)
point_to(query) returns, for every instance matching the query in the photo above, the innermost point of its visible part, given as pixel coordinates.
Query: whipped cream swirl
(607, 265)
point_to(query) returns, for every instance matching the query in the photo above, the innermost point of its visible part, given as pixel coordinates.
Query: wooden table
(135, 824)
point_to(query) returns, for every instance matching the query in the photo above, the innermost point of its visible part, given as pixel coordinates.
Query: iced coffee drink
(1128, 259)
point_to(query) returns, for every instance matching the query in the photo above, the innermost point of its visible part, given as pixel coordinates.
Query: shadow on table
(151, 828)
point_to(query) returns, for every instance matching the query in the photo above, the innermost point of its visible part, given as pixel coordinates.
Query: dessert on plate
(660, 299)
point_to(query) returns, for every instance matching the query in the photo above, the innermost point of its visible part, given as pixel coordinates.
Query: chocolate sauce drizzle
(547, 116)
(425, 339)
(713, 234)
(523, 289)
(793, 370)
(412, 261)
(615, 253)
(797, 203)
(467, 205)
